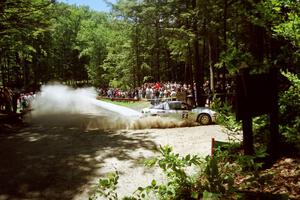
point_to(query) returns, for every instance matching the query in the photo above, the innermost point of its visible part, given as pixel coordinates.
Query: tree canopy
(150, 40)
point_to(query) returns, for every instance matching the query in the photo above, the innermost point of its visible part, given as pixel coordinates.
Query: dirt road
(62, 160)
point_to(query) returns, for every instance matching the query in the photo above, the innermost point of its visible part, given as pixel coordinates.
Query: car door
(175, 109)
(158, 109)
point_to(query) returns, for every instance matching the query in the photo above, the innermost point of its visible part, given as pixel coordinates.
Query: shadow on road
(53, 160)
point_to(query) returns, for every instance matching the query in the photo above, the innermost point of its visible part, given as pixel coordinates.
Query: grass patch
(137, 105)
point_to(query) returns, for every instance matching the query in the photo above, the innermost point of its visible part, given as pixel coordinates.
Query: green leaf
(140, 189)
(188, 157)
(195, 195)
(210, 196)
(153, 183)
(104, 182)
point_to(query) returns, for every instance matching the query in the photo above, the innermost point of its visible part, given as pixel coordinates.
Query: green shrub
(261, 130)
(289, 102)
(214, 180)
(225, 115)
(289, 115)
(179, 185)
(106, 187)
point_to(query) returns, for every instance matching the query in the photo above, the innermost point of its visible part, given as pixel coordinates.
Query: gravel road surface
(50, 160)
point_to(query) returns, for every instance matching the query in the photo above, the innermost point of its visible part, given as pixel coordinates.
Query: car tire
(204, 119)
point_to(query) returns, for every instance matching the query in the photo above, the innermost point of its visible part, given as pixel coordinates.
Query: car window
(167, 106)
(175, 105)
(185, 106)
(159, 106)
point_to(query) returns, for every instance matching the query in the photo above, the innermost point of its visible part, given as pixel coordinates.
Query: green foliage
(179, 185)
(290, 29)
(215, 178)
(210, 196)
(234, 164)
(178, 48)
(118, 62)
(287, 20)
(261, 129)
(68, 62)
(225, 115)
(289, 102)
(106, 187)
(218, 177)
(165, 40)
(43, 41)
(234, 59)
(24, 28)
(289, 120)
(251, 170)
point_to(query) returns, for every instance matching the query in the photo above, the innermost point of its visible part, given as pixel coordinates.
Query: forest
(187, 41)
(150, 41)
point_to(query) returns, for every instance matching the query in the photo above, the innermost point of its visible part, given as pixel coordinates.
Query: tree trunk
(25, 73)
(2, 62)
(256, 37)
(198, 68)
(137, 61)
(225, 24)
(157, 44)
(225, 43)
(8, 75)
(211, 70)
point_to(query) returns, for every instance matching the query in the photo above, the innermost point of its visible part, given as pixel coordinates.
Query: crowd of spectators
(24, 101)
(14, 100)
(167, 90)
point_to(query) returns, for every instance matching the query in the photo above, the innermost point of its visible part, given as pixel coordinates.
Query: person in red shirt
(157, 86)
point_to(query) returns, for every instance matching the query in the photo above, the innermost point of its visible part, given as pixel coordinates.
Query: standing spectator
(207, 92)
(109, 93)
(173, 94)
(148, 93)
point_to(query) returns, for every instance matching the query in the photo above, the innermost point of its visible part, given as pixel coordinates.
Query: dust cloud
(62, 106)
(160, 123)
(55, 99)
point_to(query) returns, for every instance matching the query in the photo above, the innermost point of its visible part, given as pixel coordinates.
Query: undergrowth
(215, 178)
(226, 175)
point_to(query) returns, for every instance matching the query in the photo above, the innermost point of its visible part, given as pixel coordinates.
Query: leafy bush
(225, 115)
(233, 59)
(289, 102)
(179, 184)
(261, 131)
(218, 175)
(289, 111)
(106, 187)
(215, 179)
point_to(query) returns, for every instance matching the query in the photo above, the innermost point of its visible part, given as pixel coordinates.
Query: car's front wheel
(204, 119)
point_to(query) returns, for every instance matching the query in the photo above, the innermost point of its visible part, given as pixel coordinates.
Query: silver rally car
(203, 115)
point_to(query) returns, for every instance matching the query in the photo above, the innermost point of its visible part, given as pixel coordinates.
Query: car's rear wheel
(204, 119)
